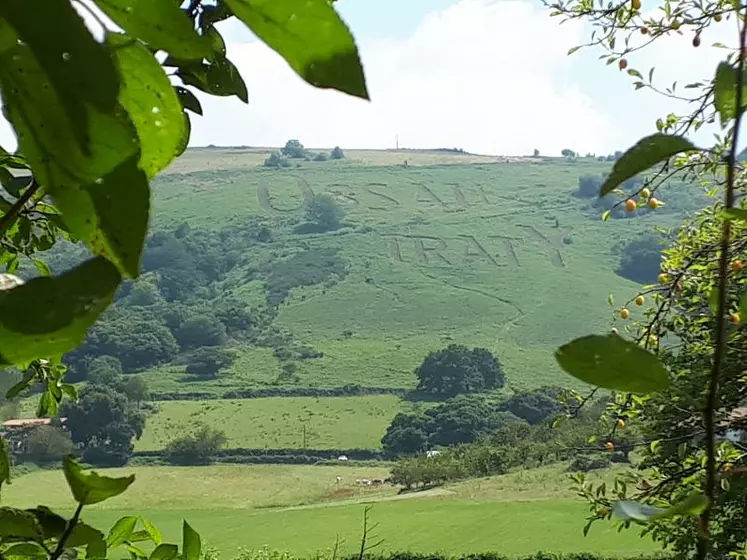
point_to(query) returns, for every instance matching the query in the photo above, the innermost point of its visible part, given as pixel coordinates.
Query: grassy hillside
(500, 255)
(330, 423)
(303, 509)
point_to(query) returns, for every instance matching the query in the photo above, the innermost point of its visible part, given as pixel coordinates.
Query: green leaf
(50, 316)
(611, 362)
(152, 530)
(15, 185)
(191, 542)
(139, 536)
(19, 524)
(91, 488)
(164, 552)
(187, 134)
(160, 23)
(70, 391)
(67, 52)
(713, 297)
(188, 100)
(647, 152)
(92, 539)
(27, 549)
(135, 552)
(739, 214)
(218, 77)
(635, 511)
(42, 267)
(725, 92)
(692, 506)
(47, 406)
(148, 97)
(121, 531)
(4, 463)
(87, 187)
(53, 525)
(606, 215)
(311, 37)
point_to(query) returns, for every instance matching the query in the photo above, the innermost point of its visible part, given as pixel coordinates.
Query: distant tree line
(293, 149)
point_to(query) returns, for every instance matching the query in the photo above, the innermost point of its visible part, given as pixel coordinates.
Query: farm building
(15, 432)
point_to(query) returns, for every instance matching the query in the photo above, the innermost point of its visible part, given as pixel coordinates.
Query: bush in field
(336, 153)
(535, 406)
(48, 444)
(276, 161)
(197, 448)
(640, 259)
(325, 212)
(201, 330)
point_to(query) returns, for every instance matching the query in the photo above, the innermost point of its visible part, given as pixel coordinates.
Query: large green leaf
(92, 539)
(647, 152)
(87, 187)
(79, 68)
(311, 37)
(630, 510)
(50, 316)
(219, 77)
(191, 542)
(160, 23)
(91, 488)
(20, 524)
(149, 98)
(121, 531)
(614, 363)
(164, 552)
(52, 525)
(725, 92)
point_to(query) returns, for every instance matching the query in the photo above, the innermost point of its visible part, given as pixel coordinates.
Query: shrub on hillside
(294, 149)
(325, 213)
(535, 406)
(640, 259)
(198, 448)
(321, 156)
(276, 161)
(47, 444)
(336, 153)
(302, 269)
(208, 362)
(457, 369)
(201, 330)
(586, 463)
(104, 370)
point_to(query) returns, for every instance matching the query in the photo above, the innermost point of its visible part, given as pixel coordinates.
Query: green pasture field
(303, 509)
(277, 422)
(500, 255)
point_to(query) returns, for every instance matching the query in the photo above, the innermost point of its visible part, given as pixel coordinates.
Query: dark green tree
(294, 149)
(336, 153)
(104, 423)
(104, 370)
(640, 259)
(457, 369)
(136, 389)
(47, 444)
(406, 434)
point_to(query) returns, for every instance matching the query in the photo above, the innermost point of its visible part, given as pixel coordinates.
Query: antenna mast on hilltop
(396, 141)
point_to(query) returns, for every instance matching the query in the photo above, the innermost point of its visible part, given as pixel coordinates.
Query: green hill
(478, 251)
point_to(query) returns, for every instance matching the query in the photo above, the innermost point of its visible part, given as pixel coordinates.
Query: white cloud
(483, 75)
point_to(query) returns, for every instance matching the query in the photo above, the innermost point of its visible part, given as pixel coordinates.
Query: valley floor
(303, 509)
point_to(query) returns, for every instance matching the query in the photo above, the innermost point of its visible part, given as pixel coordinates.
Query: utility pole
(304, 435)
(396, 141)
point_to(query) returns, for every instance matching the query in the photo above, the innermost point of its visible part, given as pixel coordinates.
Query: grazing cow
(342, 458)
(432, 453)
(339, 479)
(377, 482)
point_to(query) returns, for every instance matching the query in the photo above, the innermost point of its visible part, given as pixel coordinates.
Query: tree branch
(66, 535)
(10, 217)
(720, 339)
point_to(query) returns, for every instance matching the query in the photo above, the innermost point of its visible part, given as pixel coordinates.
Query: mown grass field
(303, 510)
(330, 423)
(500, 255)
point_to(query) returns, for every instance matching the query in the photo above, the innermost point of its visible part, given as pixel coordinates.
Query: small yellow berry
(630, 205)
(624, 313)
(664, 278)
(639, 300)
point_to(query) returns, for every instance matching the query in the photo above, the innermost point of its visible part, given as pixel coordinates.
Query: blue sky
(489, 76)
